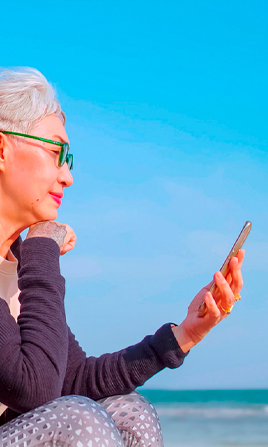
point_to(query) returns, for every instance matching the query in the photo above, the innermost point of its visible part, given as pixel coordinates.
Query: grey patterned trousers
(77, 421)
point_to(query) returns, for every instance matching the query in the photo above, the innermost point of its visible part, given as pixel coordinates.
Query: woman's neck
(12, 222)
(7, 237)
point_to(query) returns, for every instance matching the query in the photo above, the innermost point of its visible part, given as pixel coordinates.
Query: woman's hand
(194, 328)
(63, 234)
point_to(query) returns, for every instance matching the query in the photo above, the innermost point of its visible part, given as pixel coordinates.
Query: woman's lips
(56, 197)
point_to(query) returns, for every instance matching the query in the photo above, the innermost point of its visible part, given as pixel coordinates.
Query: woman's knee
(136, 419)
(69, 420)
(87, 421)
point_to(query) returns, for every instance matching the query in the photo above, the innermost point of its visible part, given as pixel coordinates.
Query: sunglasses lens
(63, 154)
(70, 162)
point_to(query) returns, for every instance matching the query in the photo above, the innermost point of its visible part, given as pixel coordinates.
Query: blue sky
(167, 108)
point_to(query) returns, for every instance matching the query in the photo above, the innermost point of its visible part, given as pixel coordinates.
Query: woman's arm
(33, 351)
(120, 372)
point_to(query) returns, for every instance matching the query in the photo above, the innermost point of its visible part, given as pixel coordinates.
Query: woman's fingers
(229, 287)
(237, 279)
(240, 256)
(70, 241)
(212, 308)
(236, 282)
(234, 275)
(226, 301)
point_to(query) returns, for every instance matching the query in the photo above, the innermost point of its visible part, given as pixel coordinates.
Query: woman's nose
(65, 177)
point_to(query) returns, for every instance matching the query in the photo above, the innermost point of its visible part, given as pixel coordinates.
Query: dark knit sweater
(40, 359)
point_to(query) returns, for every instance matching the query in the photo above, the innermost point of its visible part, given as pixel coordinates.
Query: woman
(48, 387)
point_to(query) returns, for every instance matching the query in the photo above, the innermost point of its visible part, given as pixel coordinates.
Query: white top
(9, 290)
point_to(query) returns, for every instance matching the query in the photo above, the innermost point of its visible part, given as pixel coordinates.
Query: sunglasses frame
(65, 147)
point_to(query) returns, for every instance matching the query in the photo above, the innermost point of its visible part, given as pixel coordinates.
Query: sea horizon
(259, 395)
(212, 417)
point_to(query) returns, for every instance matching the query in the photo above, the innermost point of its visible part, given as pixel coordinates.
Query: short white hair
(26, 97)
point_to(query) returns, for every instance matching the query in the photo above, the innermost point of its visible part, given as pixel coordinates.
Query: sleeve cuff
(168, 347)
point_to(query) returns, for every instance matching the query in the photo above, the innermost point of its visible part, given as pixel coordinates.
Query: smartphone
(233, 252)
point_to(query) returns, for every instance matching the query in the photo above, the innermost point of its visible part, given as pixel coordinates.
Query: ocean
(206, 418)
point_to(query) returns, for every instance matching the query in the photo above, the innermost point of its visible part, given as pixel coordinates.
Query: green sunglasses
(64, 153)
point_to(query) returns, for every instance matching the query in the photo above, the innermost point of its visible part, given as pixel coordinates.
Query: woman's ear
(2, 150)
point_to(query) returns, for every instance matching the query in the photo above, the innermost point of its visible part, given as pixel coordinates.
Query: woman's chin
(51, 215)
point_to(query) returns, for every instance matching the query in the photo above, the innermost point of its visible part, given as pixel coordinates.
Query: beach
(218, 418)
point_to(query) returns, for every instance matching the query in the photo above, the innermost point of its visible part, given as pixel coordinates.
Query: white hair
(26, 97)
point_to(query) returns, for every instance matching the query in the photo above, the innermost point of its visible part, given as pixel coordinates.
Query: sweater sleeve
(33, 351)
(120, 372)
